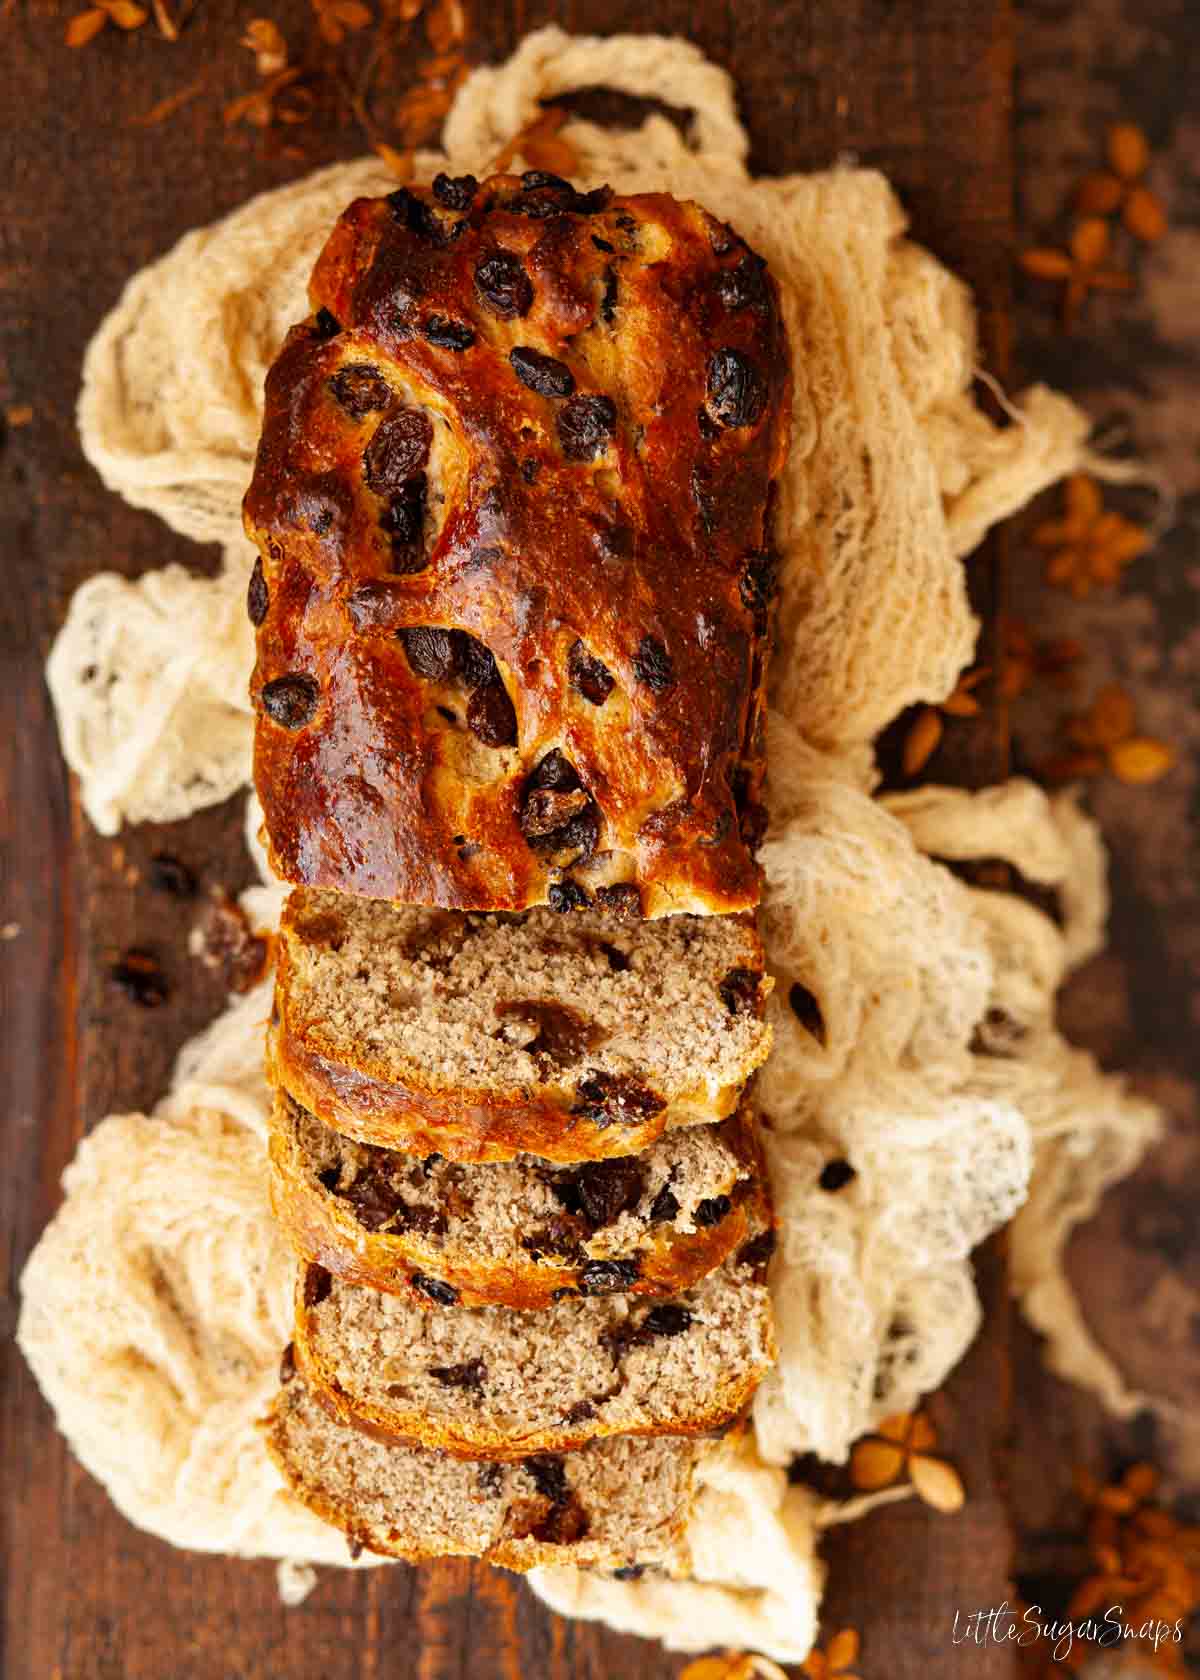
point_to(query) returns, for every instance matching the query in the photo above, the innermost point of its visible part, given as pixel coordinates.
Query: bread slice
(572, 1037)
(516, 1233)
(621, 1503)
(486, 1382)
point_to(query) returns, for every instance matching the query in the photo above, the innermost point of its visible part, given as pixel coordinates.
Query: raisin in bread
(488, 1382)
(484, 1037)
(616, 1504)
(512, 502)
(516, 1233)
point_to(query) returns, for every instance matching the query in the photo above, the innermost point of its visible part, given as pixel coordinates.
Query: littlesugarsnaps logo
(1027, 1625)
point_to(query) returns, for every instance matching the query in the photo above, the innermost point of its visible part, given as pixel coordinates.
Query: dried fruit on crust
(626, 557)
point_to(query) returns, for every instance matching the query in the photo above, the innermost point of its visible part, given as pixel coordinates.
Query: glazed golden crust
(323, 1227)
(512, 506)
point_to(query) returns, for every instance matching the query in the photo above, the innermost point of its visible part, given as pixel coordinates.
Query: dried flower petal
(1140, 760)
(1046, 264)
(266, 42)
(1099, 195)
(125, 14)
(84, 26)
(922, 740)
(1128, 150)
(1089, 241)
(842, 1650)
(875, 1464)
(168, 106)
(937, 1483)
(921, 1435)
(1144, 216)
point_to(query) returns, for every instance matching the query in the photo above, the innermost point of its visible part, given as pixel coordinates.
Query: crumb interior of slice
(527, 1207)
(605, 1362)
(504, 1001)
(622, 1499)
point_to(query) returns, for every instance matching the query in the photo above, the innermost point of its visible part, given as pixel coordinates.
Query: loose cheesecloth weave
(894, 475)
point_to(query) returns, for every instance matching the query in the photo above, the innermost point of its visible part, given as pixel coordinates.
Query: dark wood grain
(917, 87)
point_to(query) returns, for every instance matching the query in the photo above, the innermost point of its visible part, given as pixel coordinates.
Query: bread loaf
(488, 1382)
(616, 1504)
(485, 1037)
(516, 1233)
(512, 502)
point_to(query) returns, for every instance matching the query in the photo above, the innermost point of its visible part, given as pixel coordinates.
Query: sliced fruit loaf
(516, 1233)
(617, 1504)
(573, 1037)
(487, 1382)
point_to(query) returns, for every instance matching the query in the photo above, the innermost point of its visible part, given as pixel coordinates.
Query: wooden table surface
(923, 89)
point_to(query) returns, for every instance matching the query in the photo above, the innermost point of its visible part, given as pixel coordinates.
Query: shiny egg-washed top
(512, 502)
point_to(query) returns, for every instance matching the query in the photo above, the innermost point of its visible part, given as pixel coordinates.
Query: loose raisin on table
(712, 1210)
(291, 700)
(737, 392)
(140, 977)
(398, 451)
(491, 716)
(168, 875)
(739, 990)
(455, 192)
(544, 374)
(585, 426)
(470, 1374)
(447, 334)
(444, 1294)
(360, 389)
(258, 596)
(608, 1277)
(504, 285)
(588, 675)
(652, 665)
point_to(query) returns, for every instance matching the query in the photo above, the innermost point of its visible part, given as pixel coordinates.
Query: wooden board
(919, 88)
